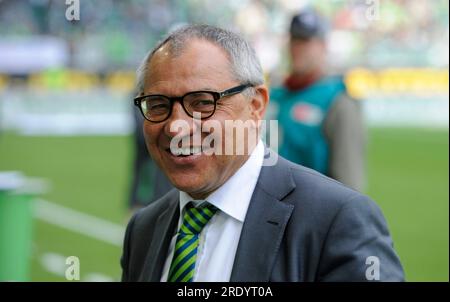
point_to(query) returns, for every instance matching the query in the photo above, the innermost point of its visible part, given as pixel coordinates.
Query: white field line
(79, 222)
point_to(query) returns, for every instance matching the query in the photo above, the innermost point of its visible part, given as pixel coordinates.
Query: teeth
(186, 151)
(196, 150)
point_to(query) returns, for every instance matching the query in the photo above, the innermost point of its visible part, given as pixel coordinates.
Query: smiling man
(237, 216)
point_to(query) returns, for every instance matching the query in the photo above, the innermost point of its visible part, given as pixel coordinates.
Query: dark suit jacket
(300, 226)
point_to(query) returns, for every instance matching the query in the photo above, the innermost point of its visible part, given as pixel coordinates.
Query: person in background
(322, 126)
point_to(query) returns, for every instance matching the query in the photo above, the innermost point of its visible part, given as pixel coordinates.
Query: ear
(259, 102)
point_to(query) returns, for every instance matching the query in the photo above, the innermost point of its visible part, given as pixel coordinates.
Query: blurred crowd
(114, 34)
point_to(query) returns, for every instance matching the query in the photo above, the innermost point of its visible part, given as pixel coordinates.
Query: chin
(186, 183)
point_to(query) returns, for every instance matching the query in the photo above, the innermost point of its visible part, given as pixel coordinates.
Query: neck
(298, 81)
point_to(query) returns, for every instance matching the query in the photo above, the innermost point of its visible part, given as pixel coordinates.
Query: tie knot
(195, 218)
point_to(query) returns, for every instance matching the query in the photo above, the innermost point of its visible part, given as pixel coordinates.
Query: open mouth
(184, 152)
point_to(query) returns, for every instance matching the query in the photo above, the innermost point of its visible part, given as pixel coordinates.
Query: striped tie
(185, 255)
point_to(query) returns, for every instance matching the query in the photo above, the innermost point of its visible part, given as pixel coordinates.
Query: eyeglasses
(158, 108)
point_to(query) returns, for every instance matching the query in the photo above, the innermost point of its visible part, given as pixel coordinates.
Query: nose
(179, 123)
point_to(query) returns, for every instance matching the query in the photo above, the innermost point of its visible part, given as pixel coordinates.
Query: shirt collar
(234, 196)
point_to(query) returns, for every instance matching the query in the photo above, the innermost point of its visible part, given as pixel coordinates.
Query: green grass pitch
(407, 177)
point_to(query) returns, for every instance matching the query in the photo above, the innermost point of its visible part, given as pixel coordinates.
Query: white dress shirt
(220, 237)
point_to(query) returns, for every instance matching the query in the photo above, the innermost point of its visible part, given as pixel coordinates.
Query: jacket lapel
(164, 229)
(264, 224)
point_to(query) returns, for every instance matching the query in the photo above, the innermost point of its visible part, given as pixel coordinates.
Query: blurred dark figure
(322, 126)
(148, 182)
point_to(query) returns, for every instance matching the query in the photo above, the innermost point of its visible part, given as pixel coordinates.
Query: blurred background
(66, 117)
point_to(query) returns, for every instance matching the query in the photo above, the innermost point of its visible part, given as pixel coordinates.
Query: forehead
(200, 64)
(305, 42)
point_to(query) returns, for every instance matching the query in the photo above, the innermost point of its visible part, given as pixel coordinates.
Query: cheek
(293, 51)
(312, 54)
(151, 133)
(244, 112)
(147, 131)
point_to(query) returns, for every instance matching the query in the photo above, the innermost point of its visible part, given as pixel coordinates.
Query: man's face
(307, 56)
(200, 66)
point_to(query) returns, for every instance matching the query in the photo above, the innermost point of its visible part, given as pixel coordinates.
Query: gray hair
(245, 66)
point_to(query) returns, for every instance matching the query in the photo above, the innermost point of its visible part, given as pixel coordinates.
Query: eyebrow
(201, 89)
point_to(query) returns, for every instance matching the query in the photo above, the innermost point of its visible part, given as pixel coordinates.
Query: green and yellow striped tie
(183, 261)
